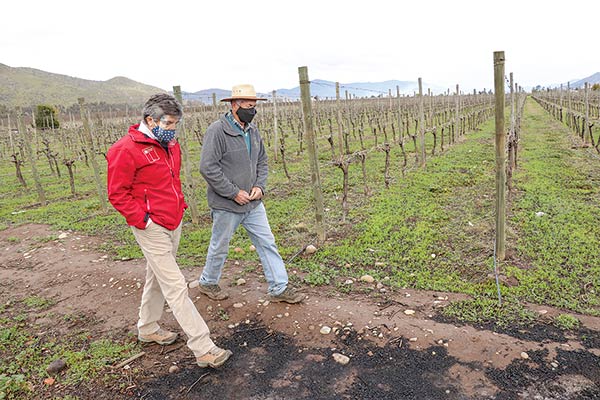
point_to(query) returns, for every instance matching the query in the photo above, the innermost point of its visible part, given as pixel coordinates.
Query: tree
(45, 117)
(596, 86)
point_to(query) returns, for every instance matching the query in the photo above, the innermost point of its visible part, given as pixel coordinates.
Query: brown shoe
(214, 358)
(161, 336)
(289, 295)
(212, 291)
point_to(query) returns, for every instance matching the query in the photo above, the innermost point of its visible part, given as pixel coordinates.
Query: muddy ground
(279, 351)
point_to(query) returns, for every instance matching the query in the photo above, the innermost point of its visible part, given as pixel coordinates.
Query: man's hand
(256, 193)
(242, 198)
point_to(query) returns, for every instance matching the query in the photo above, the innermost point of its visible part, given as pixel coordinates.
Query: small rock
(413, 339)
(433, 255)
(341, 359)
(310, 249)
(409, 312)
(325, 330)
(380, 264)
(239, 250)
(56, 366)
(240, 282)
(554, 364)
(173, 369)
(63, 235)
(524, 355)
(379, 285)
(540, 214)
(252, 247)
(542, 312)
(367, 278)
(348, 282)
(238, 305)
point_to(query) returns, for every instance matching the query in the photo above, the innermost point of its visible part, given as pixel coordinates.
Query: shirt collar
(236, 124)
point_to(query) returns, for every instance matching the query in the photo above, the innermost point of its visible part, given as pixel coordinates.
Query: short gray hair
(162, 104)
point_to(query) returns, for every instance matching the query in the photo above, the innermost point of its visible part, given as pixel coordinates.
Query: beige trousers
(164, 281)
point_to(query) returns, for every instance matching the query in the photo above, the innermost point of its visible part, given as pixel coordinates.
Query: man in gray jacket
(234, 164)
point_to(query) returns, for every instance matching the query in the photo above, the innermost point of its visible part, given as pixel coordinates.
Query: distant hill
(28, 86)
(595, 78)
(326, 89)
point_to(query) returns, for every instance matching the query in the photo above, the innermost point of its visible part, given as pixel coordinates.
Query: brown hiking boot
(214, 358)
(161, 336)
(212, 291)
(289, 295)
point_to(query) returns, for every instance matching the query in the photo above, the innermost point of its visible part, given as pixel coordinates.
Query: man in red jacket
(144, 186)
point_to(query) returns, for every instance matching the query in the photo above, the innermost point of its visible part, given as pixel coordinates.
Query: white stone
(63, 235)
(524, 355)
(341, 359)
(238, 305)
(367, 278)
(325, 330)
(240, 282)
(310, 249)
(409, 312)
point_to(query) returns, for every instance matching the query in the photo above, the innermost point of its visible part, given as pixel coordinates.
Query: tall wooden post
(275, 128)
(586, 124)
(456, 114)
(312, 152)
(338, 106)
(189, 186)
(400, 132)
(421, 125)
(500, 156)
(30, 157)
(90, 142)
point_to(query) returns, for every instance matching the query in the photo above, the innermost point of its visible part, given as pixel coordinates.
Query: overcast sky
(216, 44)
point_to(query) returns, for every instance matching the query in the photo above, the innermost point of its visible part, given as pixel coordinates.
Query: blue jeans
(256, 224)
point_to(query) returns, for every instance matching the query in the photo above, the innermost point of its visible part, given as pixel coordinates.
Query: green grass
(431, 229)
(24, 355)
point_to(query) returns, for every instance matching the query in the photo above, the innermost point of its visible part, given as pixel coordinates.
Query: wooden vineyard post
(456, 115)
(312, 152)
(189, 188)
(500, 156)
(90, 143)
(342, 163)
(586, 124)
(275, 128)
(31, 158)
(511, 136)
(421, 125)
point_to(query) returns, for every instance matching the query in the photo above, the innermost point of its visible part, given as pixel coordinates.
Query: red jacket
(144, 178)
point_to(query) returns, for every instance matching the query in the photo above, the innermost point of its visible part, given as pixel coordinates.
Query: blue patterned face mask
(163, 135)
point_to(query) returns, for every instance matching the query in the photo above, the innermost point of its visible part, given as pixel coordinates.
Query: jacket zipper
(170, 165)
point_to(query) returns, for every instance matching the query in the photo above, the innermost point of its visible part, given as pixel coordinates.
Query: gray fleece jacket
(227, 167)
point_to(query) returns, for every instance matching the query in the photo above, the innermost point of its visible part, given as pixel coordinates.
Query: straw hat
(243, 92)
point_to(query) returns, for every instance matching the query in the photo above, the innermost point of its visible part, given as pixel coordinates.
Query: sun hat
(243, 92)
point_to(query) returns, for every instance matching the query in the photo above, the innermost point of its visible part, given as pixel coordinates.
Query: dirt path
(279, 351)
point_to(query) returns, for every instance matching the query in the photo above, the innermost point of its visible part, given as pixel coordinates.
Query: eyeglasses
(170, 123)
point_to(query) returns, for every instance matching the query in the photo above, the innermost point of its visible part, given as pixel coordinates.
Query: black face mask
(246, 114)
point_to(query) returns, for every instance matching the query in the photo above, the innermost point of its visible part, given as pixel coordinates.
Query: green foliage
(37, 302)
(46, 118)
(566, 322)
(13, 386)
(488, 311)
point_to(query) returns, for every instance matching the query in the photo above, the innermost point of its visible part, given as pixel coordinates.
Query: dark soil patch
(269, 365)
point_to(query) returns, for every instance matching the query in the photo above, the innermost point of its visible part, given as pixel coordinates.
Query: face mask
(163, 135)
(246, 114)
